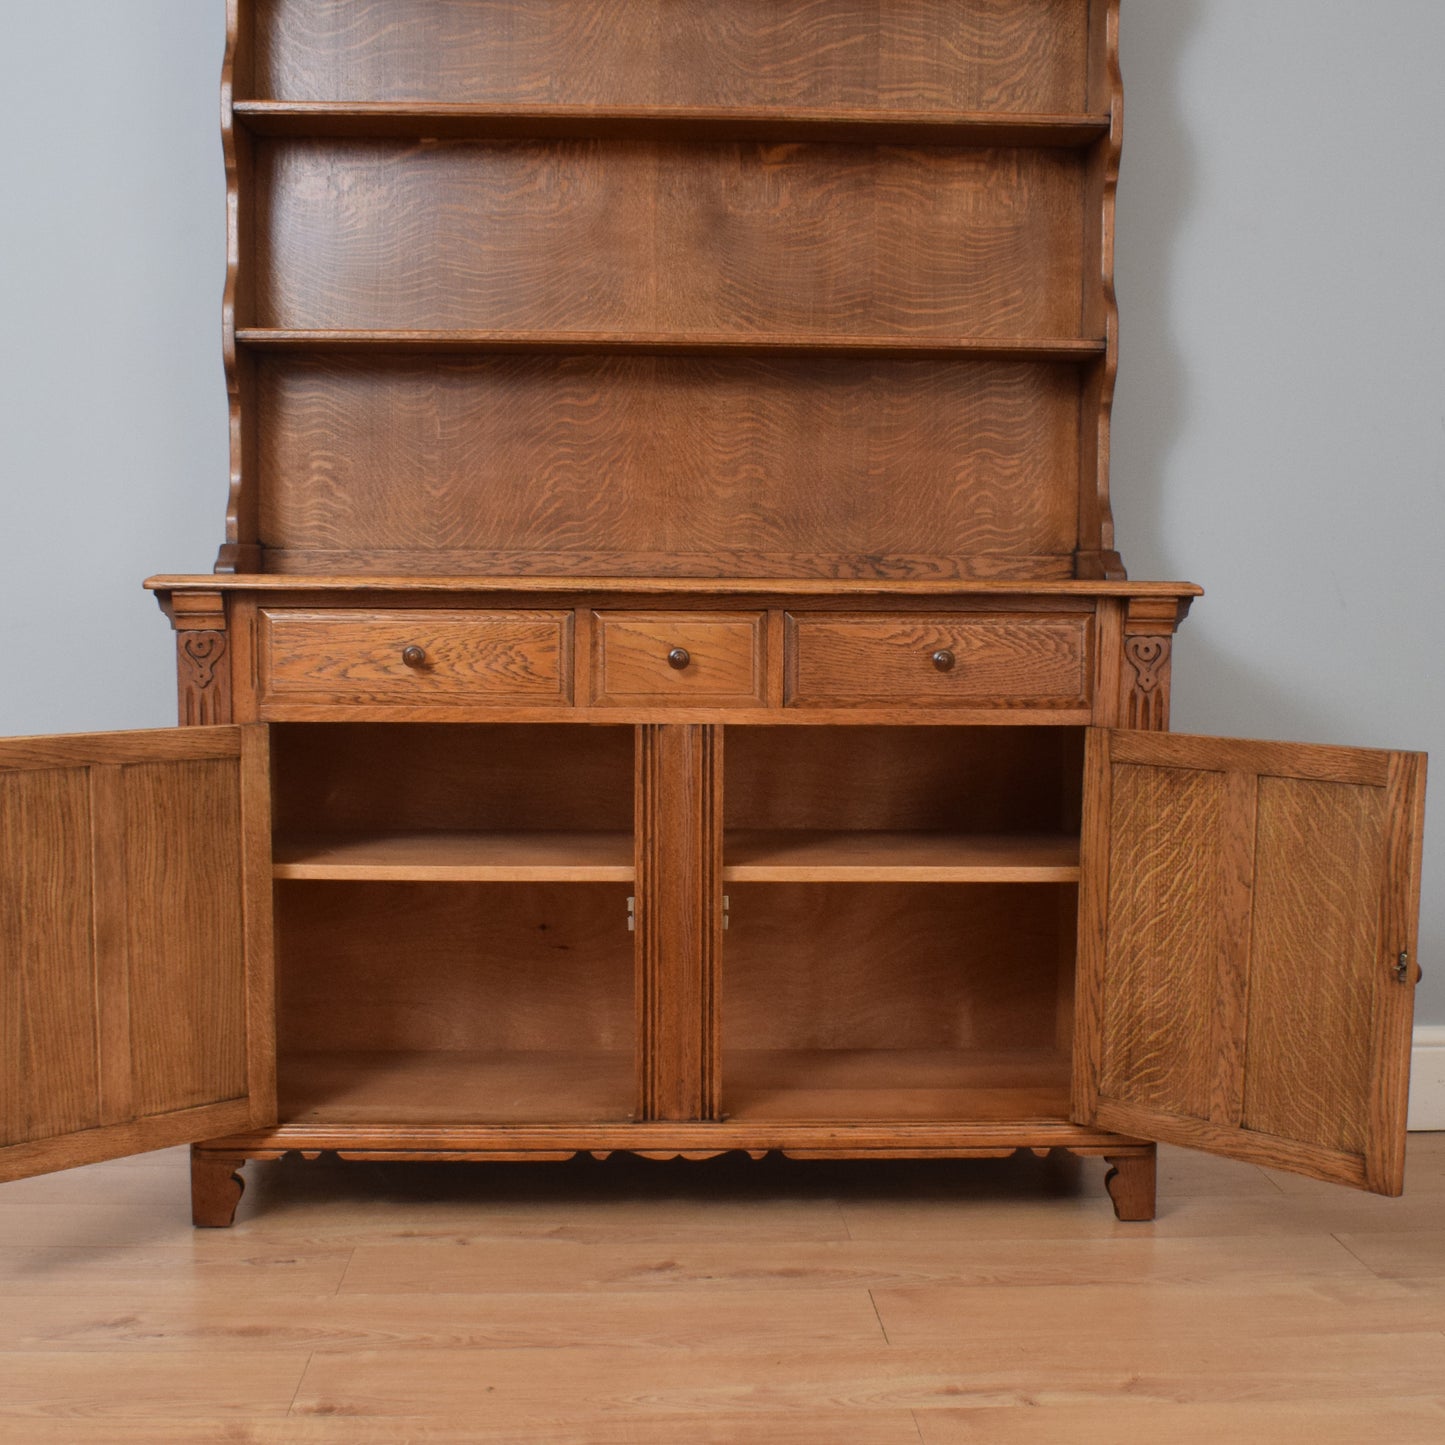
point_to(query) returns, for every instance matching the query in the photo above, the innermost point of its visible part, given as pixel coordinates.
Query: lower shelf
(455, 1086)
(876, 1085)
(442, 1088)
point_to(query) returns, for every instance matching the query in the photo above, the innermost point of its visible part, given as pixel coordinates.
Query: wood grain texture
(960, 1086)
(797, 856)
(983, 54)
(657, 236)
(1166, 872)
(1239, 1316)
(712, 467)
(890, 966)
(945, 780)
(47, 914)
(1001, 661)
(367, 779)
(726, 658)
(1319, 859)
(423, 967)
(388, 342)
(679, 920)
(438, 1087)
(1241, 928)
(489, 120)
(459, 858)
(354, 657)
(129, 915)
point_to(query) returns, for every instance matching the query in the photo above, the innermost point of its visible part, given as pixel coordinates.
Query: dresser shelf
(458, 857)
(427, 120)
(916, 348)
(869, 857)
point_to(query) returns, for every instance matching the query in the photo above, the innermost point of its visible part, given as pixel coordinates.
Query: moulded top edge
(692, 586)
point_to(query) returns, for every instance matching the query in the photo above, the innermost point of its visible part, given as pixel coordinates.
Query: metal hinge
(727, 904)
(1402, 967)
(632, 915)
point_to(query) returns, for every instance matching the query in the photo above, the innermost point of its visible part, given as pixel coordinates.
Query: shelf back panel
(667, 464)
(617, 236)
(1006, 55)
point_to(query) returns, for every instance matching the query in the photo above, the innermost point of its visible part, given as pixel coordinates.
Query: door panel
(1243, 913)
(135, 943)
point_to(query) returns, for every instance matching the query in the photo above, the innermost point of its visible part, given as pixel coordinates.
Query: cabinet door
(135, 943)
(1247, 949)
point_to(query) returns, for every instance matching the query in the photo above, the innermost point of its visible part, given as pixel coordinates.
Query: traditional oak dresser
(668, 684)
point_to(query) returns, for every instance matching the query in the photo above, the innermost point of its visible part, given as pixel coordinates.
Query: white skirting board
(1427, 1078)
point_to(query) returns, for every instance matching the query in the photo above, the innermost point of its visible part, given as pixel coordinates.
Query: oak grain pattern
(839, 856)
(457, 857)
(983, 54)
(435, 1086)
(679, 921)
(185, 918)
(834, 660)
(363, 779)
(1316, 965)
(354, 656)
(726, 657)
(656, 236)
(50, 1052)
(381, 967)
(1165, 899)
(708, 466)
(919, 779)
(890, 966)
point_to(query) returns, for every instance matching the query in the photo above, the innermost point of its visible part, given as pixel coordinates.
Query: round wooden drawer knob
(679, 658)
(414, 656)
(944, 660)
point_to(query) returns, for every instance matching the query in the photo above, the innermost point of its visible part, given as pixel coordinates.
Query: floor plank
(721, 1304)
(1335, 1422)
(229, 1320)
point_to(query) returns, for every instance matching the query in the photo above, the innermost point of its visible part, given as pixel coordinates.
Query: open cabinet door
(1247, 949)
(135, 944)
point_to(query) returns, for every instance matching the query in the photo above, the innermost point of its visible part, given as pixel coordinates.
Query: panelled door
(136, 978)
(1247, 970)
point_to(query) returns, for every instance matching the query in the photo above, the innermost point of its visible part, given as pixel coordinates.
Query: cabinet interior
(452, 922)
(901, 931)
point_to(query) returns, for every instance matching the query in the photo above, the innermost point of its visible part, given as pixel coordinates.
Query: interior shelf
(982, 348)
(876, 857)
(481, 121)
(459, 857)
(454, 1086)
(863, 1085)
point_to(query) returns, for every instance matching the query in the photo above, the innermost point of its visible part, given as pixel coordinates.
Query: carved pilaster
(1146, 673)
(679, 920)
(203, 672)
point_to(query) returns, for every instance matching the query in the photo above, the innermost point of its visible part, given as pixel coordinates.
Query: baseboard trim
(1427, 1078)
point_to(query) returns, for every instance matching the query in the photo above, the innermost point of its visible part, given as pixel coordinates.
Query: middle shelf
(773, 856)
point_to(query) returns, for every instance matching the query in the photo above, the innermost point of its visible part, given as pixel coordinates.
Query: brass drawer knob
(414, 656)
(944, 660)
(679, 658)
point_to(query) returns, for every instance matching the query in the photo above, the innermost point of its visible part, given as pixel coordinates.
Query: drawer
(703, 659)
(912, 660)
(420, 656)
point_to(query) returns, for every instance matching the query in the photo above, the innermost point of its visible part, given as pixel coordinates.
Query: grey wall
(1280, 428)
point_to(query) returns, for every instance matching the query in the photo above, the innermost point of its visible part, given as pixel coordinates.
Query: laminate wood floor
(812, 1304)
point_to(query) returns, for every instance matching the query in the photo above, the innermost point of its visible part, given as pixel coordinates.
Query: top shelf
(417, 121)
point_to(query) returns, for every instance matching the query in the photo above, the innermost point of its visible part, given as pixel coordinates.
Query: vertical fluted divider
(679, 920)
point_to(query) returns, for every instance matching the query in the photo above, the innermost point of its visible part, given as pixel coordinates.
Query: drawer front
(708, 659)
(420, 656)
(912, 660)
